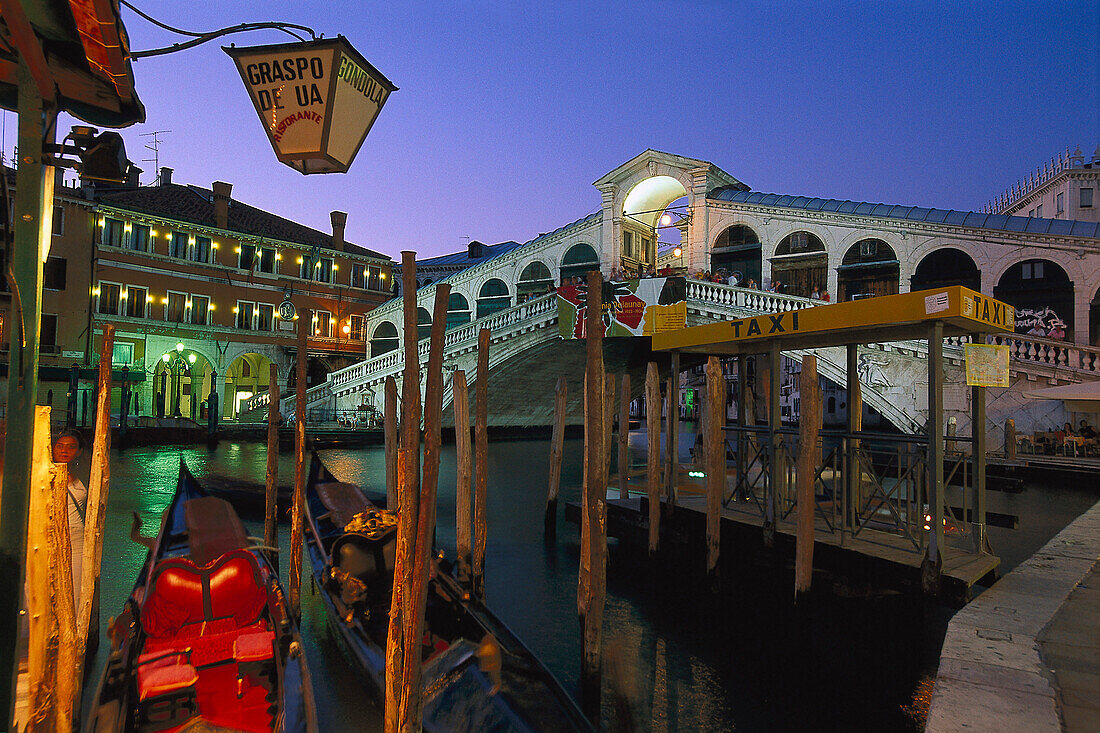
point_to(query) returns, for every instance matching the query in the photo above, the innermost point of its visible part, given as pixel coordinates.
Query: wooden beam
(481, 461)
(271, 486)
(624, 437)
(557, 441)
(389, 422)
(297, 507)
(809, 425)
(653, 453)
(463, 475)
(714, 450)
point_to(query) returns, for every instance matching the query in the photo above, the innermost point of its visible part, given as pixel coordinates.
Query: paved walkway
(1025, 656)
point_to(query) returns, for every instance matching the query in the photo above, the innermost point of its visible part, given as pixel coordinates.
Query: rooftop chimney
(339, 219)
(221, 203)
(165, 176)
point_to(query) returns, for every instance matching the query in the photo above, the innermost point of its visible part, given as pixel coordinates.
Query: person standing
(66, 447)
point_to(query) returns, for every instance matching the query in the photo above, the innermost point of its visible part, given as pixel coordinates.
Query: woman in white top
(66, 447)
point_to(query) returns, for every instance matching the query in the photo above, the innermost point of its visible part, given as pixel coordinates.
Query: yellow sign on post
(986, 365)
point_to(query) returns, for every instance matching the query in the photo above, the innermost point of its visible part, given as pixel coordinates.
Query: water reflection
(740, 662)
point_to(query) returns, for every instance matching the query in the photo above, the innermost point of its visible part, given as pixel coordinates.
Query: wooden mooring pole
(271, 486)
(481, 460)
(808, 426)
(464, 472)
(1010, 439)
(594, 513)
(557, 441)
(389, 429)
(608, 424)
(425, 529)
(653, 453)
(399, 639)
(715, 456)
(624, 438)
(95, 512)
(297, 507)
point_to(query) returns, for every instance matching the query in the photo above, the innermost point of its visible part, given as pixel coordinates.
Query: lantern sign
(317, 100)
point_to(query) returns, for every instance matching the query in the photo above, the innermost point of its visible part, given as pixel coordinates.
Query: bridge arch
(492, 296)
(801, 263)
(534, 280)
(384, 339)
(578, 260)
(1042, 294)
(868, 268)
(737, 248)
(946, 266)
(458, 310)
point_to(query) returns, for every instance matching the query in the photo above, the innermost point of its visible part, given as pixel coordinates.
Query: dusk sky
(507, 112)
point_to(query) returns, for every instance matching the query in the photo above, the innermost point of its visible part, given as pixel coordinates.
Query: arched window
(458, 311)
(800, 264)
(423, 323)
(737, 250)
(384, 339)
(869, 268)
(578, 261)
(533, 281)
(492, 297)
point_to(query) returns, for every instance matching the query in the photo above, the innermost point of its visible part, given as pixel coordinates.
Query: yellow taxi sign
(886, 318)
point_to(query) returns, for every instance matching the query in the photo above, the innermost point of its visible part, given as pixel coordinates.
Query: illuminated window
(265, 259)
(305, 269)
(137, 302)
(112, 232)
(324, 272)
(176, 311)
(247, 258)
(358, 275)
(322, 326)
(200, 251)
(246, 314)
(122, 353)
(108, 298)
(265, 317)
(358, 328)
(374, 275)
(200, 310)
(177, 245)
(139, 238)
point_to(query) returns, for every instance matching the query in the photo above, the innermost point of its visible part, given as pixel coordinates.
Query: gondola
(206, 640)
(477, 675)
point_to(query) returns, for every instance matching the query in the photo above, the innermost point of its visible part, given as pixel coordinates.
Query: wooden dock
(871, 556)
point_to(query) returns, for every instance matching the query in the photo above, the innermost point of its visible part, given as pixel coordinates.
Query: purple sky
(507, 112)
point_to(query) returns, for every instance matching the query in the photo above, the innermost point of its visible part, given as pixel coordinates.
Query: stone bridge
(527, 356)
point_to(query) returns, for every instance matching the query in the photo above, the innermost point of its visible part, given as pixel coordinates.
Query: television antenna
(154, 145)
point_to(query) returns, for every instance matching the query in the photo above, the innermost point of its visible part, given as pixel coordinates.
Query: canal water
(675, 659)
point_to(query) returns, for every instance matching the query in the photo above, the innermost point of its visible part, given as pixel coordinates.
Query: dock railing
(864, 482)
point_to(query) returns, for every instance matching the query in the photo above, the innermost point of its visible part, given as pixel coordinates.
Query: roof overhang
(900, 317)
(78, 55)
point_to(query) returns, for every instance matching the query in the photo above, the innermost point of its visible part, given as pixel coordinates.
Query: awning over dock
(962, 311)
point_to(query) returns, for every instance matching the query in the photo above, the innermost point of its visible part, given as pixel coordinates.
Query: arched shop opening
(578, 261)
(655, 205)
(869, 268)
(423, 323)
(246, 376)
(181, 383)
(1042, 294)
(800, 264)
(493, 297)
(458, 311)
(946, 266)
(384, 339)
(737, 251)
(535, 280)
